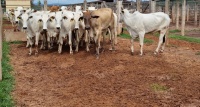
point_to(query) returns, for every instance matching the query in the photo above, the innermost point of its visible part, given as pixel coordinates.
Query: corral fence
(181, 12)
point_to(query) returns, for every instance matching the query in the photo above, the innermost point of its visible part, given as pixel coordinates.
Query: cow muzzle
(16, 22)
(24, 28)
(76, 29)
(44, 30)
(58, 28)
(87, 28)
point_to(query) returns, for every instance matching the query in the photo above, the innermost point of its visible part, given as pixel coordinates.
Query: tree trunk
(183, 18)
(1, 49)
(177, 14)
(188, 12)
(173, 13)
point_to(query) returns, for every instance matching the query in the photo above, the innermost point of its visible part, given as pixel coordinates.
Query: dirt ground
(117, 79)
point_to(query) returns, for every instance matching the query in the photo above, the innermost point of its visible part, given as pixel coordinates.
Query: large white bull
(138, 24)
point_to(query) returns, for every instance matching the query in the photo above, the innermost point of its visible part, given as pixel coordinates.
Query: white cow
(79, 27)
(49, 25)
(33, 25)
(139, 24)
(17, 12)
(66, 25)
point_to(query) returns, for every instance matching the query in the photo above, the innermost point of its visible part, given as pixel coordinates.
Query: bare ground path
(117, 79)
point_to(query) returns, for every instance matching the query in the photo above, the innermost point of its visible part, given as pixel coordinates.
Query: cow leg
(77, 40)
(133, 35)
(60, 43)
(161, 37)
(31, 44)
(28, 42)
(36, 42)
(70, 42)
(49, 42)
(141, 37)
(87, 40)
(112, 39)
(97, 42)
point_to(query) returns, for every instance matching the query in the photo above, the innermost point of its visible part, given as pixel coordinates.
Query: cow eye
(52, 17)
(122, 11)
(64, 17)
(19, 18)
(81, 18)
(72, 19)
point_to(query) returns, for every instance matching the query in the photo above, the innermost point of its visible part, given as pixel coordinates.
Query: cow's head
(58, 17)
(45, 17)
(78, 18)
(24, 18)
(86, 18)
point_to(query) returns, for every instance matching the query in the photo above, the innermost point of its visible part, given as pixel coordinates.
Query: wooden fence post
(183, 18)
(167, 6)
(195, 14)
(153, 6)
(1, 37)
(85, 5)
(173, 13)
(104, 3)
(45, 5)
(119, 25)
(138, 5)
(177, 14)
(188, 12)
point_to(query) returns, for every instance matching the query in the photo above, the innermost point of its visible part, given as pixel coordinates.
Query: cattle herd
(63, 26)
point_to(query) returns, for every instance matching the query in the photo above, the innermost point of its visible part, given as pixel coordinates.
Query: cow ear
(95, 17)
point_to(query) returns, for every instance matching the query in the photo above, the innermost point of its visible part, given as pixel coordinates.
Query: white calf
(139, 24)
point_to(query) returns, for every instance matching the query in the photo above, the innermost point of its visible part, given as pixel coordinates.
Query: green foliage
(6, 85)
(157, 87)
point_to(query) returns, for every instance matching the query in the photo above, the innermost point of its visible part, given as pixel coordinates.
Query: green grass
(172, 35)
(174, 31)
(127, 36)
(16, 42)
(7, 83)
(185, 38)
(157, 87)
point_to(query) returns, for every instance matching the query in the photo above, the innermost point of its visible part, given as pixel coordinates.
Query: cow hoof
(36, 53)
(155, 53)
(132, 53)
(141, 54)
(161, 50)
(29, 54)
(71, 53)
